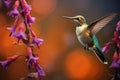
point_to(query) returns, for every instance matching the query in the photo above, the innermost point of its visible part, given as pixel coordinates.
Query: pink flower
(115, 63)
(118, 44)
(116, 37)
(118, 26)
(106, 48)
(26, 8)
(16, 4)
(9, 60)
(7, 3)
(115, 56)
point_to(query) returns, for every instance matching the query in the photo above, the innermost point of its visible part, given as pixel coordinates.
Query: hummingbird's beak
(67, 17)
(72, 18)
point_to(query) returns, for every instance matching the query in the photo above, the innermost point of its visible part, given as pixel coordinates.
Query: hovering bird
(86, 33)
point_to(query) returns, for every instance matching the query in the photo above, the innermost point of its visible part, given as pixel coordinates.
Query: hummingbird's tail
(100, 55)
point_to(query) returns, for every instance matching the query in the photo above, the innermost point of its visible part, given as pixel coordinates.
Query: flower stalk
(21, 30)
(116, 56)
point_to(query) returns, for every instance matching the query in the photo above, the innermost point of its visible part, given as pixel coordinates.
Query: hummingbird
(86, 33)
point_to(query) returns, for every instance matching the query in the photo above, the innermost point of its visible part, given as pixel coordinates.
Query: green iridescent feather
(96, 41)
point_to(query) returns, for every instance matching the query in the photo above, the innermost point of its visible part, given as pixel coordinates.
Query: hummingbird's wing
(100, 23)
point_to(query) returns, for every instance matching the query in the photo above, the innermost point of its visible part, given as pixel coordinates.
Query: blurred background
(61, 55)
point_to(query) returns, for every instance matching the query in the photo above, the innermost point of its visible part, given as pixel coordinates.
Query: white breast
(80, 29)
(79, 34)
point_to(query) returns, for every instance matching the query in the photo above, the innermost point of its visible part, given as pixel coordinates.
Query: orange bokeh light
(43, 7)
(79, 64)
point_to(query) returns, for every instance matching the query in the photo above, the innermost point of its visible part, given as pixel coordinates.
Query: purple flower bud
(26, 9)
(118, 26)
(115, 56)
(114, 64)
(106, 48)
(7, 3)
(20, 35)
(5, 63)
(37, 41)
(39, 70)
(32, 59)
(116, 37)
(9, 60)
(16, 4)
(14, 13)
(118, 44)
(30, 19)
(12, 29)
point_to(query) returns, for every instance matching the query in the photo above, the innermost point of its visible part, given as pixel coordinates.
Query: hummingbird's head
(79, 19)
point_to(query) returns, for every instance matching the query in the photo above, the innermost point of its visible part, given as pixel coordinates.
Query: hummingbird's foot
(86, 47)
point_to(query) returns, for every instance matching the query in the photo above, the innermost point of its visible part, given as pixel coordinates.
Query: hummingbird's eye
(77, 19)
